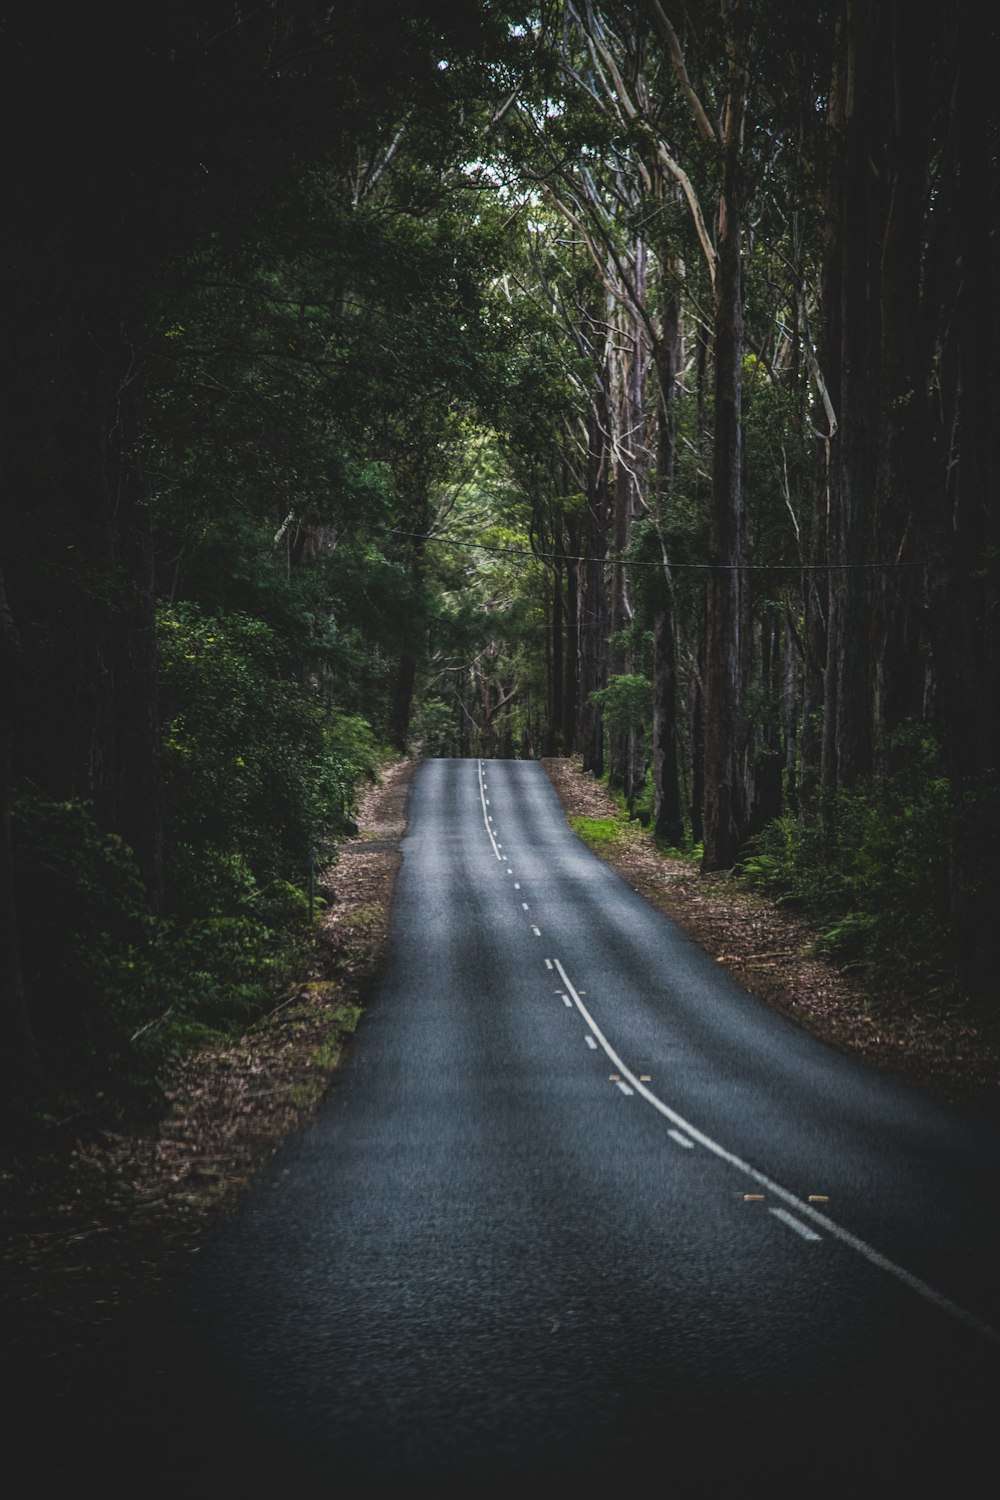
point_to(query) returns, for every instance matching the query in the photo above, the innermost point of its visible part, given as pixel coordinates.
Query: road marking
(675, 1135)
(590, 1042)
(524, 904)
(486, 820)
(535, 930)
(875, 1257)
(567, 1001)
(509, 870)
(794, 1223)
(548, 963)
(517, 885)
(623, 1086)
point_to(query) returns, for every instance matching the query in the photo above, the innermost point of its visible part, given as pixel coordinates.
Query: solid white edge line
(482, 798)
(875, 1257)
(794, 1223)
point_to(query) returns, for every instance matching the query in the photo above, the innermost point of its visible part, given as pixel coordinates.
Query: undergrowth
(872, 873)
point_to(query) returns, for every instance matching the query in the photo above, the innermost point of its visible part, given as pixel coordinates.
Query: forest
(603, 378)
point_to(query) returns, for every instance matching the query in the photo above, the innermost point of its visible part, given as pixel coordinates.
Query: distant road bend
(581, 1213)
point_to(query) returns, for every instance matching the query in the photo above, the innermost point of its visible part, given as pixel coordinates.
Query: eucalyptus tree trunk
(20, 1070)
(964, 576)
(725, 816)
(555, 652)
(626, 772)
(668, 823)
(592, 601)
(847, 725)
(908, 404)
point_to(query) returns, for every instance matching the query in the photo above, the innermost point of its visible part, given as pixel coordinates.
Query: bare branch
(669, 35)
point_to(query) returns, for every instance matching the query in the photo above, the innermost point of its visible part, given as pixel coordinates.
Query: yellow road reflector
(645, 1078)
(819, 1197)
(753, 1197)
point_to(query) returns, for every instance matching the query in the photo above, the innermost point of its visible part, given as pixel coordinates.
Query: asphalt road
(579, 1216)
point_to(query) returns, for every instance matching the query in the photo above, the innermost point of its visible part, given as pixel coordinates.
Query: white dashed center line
(486, 816)
(806, 1210)
(681, 1140)
(591, 1043)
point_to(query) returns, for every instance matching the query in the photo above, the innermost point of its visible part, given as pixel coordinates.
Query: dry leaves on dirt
(770, 951)
(87, 1231)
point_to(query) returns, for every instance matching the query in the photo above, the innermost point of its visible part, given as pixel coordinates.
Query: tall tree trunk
(629, 500)
(964, 578)
(592, 596)
(668, 821)
(20, 1070)
(725, 820)
(847, 741)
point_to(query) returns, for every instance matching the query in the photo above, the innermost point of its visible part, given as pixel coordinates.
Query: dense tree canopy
(615, 379)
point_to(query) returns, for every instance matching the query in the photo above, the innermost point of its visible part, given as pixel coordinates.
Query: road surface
(580, 1217)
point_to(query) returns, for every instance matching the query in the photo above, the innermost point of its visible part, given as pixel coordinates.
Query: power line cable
(632, 562)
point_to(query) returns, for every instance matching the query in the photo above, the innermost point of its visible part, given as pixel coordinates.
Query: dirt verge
(772, 953)
(92, 1228)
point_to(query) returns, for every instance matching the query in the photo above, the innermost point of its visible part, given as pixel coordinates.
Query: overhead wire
(633, 562)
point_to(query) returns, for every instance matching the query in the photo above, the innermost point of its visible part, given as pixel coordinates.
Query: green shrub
(873, 873)
(87, 940)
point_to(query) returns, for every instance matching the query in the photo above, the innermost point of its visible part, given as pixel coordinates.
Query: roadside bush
(873, 873)
(258, 772)
(259, 769)
(87, 942)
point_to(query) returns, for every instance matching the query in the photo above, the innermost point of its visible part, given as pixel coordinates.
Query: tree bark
(725, 818)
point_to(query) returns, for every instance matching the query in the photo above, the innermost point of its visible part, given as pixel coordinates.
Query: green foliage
(258, 769)
(597, 832)
(434, 727)
(873, 874)
(627, 702)
(88, 943)
(115, 990)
